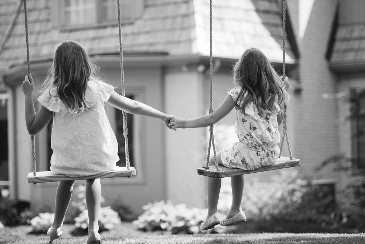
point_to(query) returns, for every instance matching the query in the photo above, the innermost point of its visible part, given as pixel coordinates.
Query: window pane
(120, 137)
(4, 160)
(108, 11)
(49, 148)
(79, 12)
(361, 131)
(129, 10)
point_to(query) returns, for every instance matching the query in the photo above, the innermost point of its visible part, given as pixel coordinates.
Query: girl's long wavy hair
(70, 72)
(255, 75)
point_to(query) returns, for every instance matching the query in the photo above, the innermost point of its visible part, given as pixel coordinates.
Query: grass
(127, 234)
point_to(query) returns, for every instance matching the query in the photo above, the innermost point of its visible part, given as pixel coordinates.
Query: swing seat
(48, 176)
(281, 163)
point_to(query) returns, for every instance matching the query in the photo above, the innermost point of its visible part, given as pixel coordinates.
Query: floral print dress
(84, 143)
(258, 136)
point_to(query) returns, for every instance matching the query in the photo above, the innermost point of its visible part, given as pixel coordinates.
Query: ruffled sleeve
(234, 93)
(50, 100)
(106, 90)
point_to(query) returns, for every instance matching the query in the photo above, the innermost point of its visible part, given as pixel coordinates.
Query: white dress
(82, 144)
(258, 138)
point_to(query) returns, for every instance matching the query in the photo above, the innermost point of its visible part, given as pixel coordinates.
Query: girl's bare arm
(205, 120)
(35, 121)
(135, 107)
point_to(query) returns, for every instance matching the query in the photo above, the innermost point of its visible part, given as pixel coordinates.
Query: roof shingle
(173, 26)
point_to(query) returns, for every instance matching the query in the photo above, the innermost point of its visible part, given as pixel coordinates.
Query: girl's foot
(210, 222)
(54, 233)
(94, 237)
(237, 218)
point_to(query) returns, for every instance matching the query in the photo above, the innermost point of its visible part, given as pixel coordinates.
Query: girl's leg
(237, 191)
(63, 196)
(214, 187)
(93, 199)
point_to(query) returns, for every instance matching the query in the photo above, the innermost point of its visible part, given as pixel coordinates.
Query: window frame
(139, 154)
(354, 109)
(58, 20)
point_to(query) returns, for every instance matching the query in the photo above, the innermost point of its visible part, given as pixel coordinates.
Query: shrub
(161, 216)
(108, 219)
(125, 212)
(41, 223)
(11, 212)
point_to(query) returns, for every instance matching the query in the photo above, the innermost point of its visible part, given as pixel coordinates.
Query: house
(166, 63)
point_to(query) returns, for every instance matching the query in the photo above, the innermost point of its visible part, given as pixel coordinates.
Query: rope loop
(285, 119)
(211, 134)
(125, 124)
(34, 158)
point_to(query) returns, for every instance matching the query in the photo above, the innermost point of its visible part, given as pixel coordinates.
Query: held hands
(167, 120)
(176, 123)
(28, 86)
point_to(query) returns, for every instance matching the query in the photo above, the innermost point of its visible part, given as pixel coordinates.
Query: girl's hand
(285, 82)
(27, 86)
(176, 123)
(167, 120)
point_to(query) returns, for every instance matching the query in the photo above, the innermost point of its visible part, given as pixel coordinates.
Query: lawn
(127, 233)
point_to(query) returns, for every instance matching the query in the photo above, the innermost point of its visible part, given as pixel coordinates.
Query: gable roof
(177, 27)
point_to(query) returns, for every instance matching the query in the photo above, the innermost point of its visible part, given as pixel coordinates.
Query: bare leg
(237, 191)
(93, 199)
(214, 187)
(63, 196)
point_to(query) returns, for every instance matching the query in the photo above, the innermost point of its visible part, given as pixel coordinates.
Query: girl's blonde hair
(259, 82)
(70, 72)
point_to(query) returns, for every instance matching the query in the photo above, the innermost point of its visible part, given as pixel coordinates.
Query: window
(120, 137)
(93, 12)
(49, 148)
(358, 129)
(4, 143)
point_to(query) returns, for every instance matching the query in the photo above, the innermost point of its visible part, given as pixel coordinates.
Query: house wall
(316, 133)
(184, 147)
(148, 186)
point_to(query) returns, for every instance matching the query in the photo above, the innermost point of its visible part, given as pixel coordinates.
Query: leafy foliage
(167, 217)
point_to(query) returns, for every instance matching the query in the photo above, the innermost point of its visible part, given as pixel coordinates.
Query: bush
(161, 216)
(12, 212)
(108, 219)
(125, 212)
(41, 223)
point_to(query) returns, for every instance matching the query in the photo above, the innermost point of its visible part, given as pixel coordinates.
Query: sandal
(94, 238)
(239, 217)
(210, 222)
(54, 233)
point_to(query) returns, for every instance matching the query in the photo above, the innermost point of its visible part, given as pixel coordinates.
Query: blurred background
(166, 64)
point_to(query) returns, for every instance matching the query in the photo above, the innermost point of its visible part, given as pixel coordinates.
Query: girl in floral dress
(83, 141)
(257, 96)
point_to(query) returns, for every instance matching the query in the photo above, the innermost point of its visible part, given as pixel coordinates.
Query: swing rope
(34, 161)
(125, 125)
(285, 122)
(211, 134)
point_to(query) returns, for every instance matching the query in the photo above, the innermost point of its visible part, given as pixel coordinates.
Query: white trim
(5, 183)
(324, 181)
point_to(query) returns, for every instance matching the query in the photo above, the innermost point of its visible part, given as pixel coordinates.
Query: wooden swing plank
(48, 176)
(281, 163)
